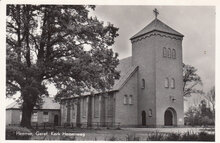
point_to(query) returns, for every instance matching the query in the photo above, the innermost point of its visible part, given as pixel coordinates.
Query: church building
(149, 92)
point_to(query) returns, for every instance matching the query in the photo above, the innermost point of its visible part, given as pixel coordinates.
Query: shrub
(17, 133)
(113, 138)
(203, 136)
(156, 137)
(173, 137)
(131, 137)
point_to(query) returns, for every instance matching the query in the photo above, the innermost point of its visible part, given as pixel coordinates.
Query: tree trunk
(27, 109)
(78, 115)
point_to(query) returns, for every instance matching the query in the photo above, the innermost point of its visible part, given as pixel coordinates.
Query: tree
(46, 44)
(210, 97)
(190, 81)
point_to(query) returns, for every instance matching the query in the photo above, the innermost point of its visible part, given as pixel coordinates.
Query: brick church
(150, 90)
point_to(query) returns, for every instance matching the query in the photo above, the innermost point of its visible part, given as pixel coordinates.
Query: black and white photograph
(110, 72)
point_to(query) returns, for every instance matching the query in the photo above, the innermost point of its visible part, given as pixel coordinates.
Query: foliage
(201, 115)
(188, 136)
(156, 137)
(46, 44)
(190, 81)
(132, 137)
(210, 97)
(13, 133)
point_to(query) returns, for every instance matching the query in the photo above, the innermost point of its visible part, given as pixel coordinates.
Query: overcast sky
(197, 24)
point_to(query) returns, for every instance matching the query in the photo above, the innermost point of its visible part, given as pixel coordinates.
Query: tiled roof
(126, 70)
(49, 103)
(157, 25)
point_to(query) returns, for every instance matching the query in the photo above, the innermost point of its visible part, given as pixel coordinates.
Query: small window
(172, 84)
(45, 117)
(34, 117)
(166, 82)
(164, 52)
(130, 99)
(143, 84)
(150, 112)
(174, 54)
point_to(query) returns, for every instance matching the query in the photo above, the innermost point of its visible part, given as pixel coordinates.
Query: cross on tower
(156, 12)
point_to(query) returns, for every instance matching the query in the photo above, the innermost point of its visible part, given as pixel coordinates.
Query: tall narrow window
(150, 112)
(130, 99)
(96, 106)
(45, 117)
(84, 107)
(73, 111)
(110, 106)
(164, 52)
(172, 84)
(125, 99)
(143, 84)
(34, 117)
(166, 82)
(174, 54)
(169, 53)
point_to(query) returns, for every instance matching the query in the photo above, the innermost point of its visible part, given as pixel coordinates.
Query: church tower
(157, 51)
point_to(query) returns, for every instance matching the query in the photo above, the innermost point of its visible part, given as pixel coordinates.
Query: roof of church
(49, 103)
(126, 70)
(156, 25)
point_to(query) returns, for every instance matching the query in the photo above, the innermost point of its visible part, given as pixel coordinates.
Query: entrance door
(168, 118)
(143, 118)
(56, 120)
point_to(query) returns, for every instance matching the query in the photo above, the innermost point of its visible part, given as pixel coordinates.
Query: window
(164, 52)
(20, 116)
(109, 106)
(150, 112)
(169, 53)
(73, 112)
(130, 99)
(84, 107)
(143, 84)
(34, 117)
(96, 106)
(45, 117)
(166, 82)
(125, 99)
(172, 84)
(174, 54)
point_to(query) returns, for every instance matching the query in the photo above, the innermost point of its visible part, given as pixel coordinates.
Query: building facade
(150, 90)
(48, 113)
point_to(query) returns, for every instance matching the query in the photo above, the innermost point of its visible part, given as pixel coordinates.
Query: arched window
(174, 54)
(166, 82)
(172, 84)
(125, 99)
(143, 84)
(130, 99)
(169, 53)
(150, 112)
(164, 52)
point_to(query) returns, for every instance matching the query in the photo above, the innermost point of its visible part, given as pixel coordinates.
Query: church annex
(150, 90)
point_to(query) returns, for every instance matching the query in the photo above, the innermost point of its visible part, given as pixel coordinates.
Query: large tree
(191, 80)
(46, 44)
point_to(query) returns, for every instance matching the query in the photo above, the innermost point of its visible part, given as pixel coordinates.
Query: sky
(197, 24)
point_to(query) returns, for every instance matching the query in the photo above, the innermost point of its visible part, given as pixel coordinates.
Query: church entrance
(143, 118)
(170, 117)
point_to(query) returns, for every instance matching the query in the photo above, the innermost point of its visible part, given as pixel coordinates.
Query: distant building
(49, 113)
(150, 90)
